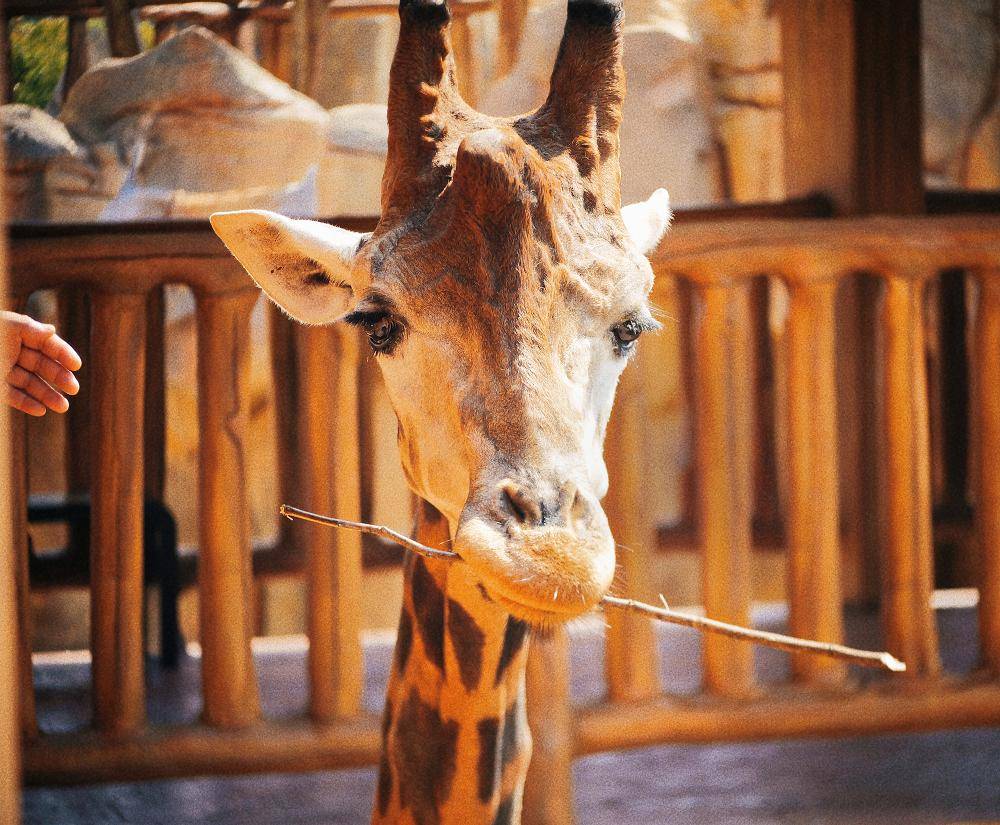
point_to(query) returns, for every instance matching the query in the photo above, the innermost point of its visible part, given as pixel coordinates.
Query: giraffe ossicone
(502, 291)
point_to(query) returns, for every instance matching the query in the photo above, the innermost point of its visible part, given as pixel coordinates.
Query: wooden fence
(812, 258)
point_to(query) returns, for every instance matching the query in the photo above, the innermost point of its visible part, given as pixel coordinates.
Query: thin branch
(866, 658)
(373, 529)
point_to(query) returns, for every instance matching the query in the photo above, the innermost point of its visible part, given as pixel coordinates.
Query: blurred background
(835, 125)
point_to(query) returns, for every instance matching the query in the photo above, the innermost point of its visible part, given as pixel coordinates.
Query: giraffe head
(502, 292)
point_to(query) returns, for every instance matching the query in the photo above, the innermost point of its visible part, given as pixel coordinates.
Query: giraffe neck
(455, 736)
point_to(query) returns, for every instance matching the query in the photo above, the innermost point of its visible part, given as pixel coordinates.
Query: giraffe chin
(544, 576)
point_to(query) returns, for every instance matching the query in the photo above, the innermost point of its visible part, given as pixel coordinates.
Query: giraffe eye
(383, 328)
(383, 333)
(626, 334)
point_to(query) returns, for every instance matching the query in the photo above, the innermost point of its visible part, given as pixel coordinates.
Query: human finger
(58, 350)
(20, 400)
(52, 372)
(33, 333)
(34, 386)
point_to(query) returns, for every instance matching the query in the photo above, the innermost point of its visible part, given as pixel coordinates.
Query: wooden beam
(225, 578)
(631, 659)
(853, 105)
(889, 107)
(908, 580)
(813, 505)
(328, 359)
(18, 493)
(818, 66)
(723, 435)
(161, 753)
(122, 36)
(988, 470)
(116, 561)
(75, 758)
(674, 720)
(10, 728)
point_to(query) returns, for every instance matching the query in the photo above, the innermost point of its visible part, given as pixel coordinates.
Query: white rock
(666, 135)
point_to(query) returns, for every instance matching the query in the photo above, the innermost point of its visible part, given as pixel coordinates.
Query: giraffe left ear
(647, 220)
(305, 267)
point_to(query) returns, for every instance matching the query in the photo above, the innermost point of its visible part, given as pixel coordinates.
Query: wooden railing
(119, 270)
(812, 258)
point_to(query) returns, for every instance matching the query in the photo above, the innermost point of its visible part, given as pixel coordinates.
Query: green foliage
(38, 57)
(39, 48)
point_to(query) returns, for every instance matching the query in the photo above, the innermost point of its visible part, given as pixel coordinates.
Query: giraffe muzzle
(544, 554)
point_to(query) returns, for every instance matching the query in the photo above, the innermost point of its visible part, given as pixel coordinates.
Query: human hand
(36, 365)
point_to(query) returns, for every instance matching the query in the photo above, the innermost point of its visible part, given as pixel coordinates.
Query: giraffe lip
(535, 616)
(533, 610)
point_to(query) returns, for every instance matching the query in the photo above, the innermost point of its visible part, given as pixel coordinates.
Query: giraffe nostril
(569, 497)
(523, 507)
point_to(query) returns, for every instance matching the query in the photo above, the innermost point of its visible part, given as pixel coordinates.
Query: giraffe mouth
(543, 576)
(538, 618)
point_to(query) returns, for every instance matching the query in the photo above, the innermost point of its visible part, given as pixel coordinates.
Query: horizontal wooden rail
(164, 753)
(292, 747)
(816, 250)
(783, 715)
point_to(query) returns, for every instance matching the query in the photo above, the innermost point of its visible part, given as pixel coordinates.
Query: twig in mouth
(866, 658)
(373, 529)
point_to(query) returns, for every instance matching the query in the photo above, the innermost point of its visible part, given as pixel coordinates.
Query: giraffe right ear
(305, 267)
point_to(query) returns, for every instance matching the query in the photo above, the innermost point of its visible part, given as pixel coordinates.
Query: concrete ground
(939, 778)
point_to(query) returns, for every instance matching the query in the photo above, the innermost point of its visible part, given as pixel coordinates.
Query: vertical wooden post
(74, 325)
(987, 348)
(548, 792)
(225, 566)
(311, 27)
(328, 359)
(77, 58)
(116, 586)
(853, 124)
(889, 106)
(274, 52)
(723, 427)
(813, 505)
(122, 36)
(11, 670)
(818, 83)
(154, 416)
(10, 688)
(631, 660)
(911, 634)
(19, 549)
(285, 383)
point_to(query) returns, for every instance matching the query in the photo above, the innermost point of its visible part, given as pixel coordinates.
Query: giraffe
(502, 293)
